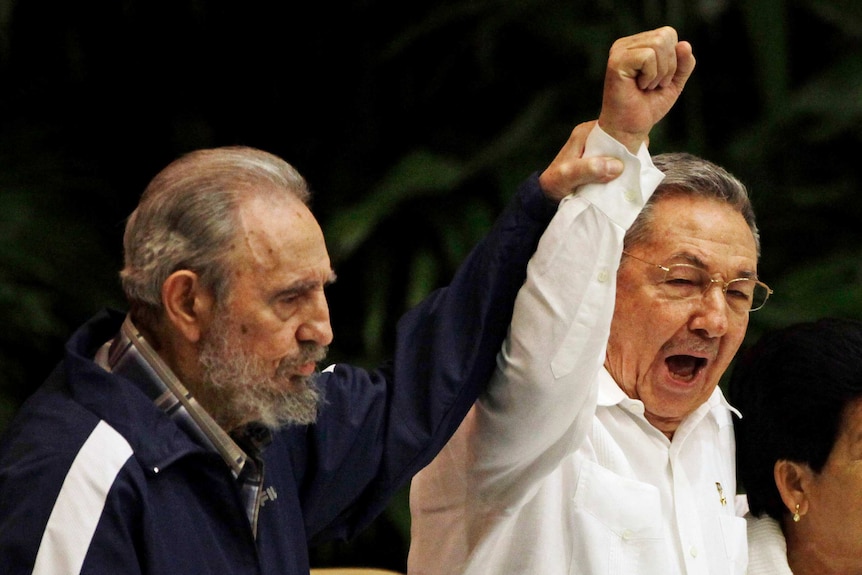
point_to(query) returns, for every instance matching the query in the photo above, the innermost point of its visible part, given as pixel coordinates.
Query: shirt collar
(610, 393)
(130, 355)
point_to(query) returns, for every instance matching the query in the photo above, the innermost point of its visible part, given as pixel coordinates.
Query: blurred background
(413, 122)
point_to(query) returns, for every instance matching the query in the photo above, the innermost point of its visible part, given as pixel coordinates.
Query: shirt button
(693, 551)
(627, 534)
(603, 276)
(630, 195)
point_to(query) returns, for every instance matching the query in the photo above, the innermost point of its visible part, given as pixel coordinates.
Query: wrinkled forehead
(700, 228)
(277, 230)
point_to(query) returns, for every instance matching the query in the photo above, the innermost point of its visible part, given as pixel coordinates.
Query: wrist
(631, 140)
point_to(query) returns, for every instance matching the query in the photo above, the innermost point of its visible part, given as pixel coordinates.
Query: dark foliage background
(413, 121)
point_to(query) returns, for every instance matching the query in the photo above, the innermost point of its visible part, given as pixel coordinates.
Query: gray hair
(687, 175)
(187, 218)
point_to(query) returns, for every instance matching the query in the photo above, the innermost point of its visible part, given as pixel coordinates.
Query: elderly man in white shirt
(603, 444)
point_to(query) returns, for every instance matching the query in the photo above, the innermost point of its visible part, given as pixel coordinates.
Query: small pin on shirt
(722, 499)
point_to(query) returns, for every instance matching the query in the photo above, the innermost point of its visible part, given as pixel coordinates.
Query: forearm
(447, 346)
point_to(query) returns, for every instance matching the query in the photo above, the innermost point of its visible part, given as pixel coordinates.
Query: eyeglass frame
(712, 281)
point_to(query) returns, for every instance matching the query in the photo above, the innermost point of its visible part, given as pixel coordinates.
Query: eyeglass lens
(686, 281)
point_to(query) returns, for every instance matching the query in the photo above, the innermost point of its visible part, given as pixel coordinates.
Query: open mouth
(684, 367)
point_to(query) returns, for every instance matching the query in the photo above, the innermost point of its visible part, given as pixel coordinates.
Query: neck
(665, 425)
(180, 359)
(808, 555)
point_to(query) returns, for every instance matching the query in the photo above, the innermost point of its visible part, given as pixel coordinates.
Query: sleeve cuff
(622, 199)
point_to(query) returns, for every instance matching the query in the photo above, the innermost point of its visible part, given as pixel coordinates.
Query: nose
(315, 326)
(711, 315)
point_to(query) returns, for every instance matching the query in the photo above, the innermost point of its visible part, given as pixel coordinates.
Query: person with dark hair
(799, 448)
(603, 444)
(194, 434)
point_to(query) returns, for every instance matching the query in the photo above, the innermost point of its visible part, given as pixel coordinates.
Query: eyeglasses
(685, 281)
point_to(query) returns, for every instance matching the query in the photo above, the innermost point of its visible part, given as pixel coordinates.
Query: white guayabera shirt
(555, 471)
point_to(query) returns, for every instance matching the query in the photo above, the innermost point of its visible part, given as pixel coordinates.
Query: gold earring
(796, 515)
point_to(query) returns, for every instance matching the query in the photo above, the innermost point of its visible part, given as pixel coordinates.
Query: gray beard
(247, 390)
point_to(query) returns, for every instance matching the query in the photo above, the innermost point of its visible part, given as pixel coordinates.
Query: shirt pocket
(627, 507)
(733, 530)
(618, 522)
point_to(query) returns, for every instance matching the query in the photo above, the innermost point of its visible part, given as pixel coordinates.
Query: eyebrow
(303, 286)
(697, 262)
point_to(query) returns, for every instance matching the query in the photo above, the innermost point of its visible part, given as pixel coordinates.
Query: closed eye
(742, 289)
(681, 282)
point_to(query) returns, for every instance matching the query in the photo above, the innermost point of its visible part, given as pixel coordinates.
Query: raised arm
(540, 403)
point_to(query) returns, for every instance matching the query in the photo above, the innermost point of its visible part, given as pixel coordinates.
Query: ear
(792, 480)
(187, 304)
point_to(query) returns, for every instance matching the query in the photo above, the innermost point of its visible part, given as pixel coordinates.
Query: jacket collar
(126, 398)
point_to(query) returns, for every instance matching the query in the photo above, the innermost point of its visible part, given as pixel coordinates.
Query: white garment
(555, 471)
(767, 548)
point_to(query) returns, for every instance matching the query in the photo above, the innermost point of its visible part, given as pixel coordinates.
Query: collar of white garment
(611, 394)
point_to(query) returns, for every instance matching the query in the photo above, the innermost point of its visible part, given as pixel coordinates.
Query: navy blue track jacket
(129, 492)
